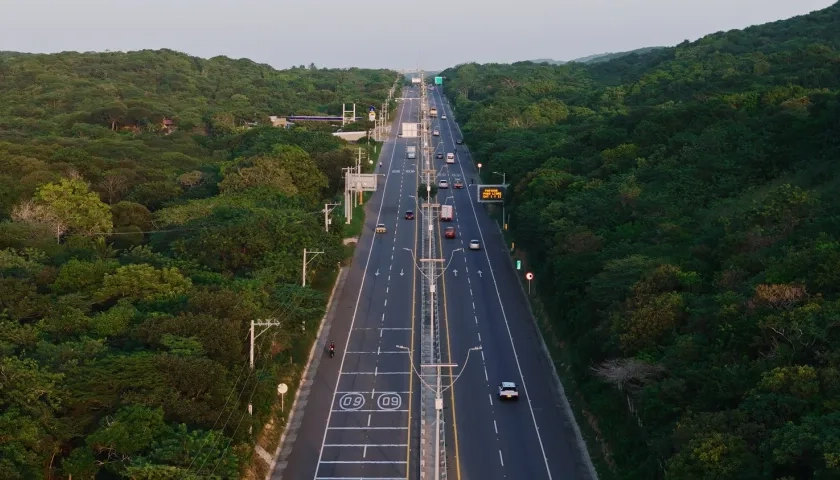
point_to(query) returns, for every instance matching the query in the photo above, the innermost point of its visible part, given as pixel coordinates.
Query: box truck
(446, 213)
(411, 152)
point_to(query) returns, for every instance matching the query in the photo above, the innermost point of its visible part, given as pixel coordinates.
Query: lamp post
(438, 389)
(432, 278)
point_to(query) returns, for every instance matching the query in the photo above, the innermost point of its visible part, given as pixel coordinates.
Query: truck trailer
(446, 213)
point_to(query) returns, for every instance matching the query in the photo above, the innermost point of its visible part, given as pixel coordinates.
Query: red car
(449, 232)
(458, 184)
(409, 215)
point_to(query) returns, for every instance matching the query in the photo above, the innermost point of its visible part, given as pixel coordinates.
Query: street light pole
(438, 389)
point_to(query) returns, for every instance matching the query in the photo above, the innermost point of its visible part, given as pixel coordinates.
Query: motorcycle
(332, 351)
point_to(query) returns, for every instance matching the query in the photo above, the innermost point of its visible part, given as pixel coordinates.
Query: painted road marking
(367, 428)
(360, 445)
(375, 373)
(351, 401)
(391, 462)
(354, 402)
(369, 411)
(507, 323)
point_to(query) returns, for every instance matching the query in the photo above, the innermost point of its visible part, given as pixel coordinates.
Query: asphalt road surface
(357, 421)
(533, 438)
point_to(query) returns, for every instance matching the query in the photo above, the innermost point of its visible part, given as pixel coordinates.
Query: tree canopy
(680, 208)
(134, 253)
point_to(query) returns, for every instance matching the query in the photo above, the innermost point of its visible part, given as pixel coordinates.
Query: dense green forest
(684, 207)
(135, 252)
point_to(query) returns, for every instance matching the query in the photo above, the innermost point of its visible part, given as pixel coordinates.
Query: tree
(424, 192)
(68, 207)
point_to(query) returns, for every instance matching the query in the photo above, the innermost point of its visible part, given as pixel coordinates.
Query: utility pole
(305, 263)
(327, 211)
(359, 170)
(267, 323)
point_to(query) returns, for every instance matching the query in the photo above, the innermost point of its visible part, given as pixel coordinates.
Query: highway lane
(356, 423)
(535, 438)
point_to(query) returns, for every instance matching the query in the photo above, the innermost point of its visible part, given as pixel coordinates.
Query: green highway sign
(438, 80)
(519, 264)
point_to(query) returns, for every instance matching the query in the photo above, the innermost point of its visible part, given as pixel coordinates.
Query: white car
(475, 245)
(436, 133)
(443, 184)
(443, 117)
(508, 391)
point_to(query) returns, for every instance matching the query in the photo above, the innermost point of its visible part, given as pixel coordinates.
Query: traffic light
(519, 264)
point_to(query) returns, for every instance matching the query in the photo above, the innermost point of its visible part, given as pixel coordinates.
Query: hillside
(679, 210)
(118, 91)
(605, 57)
(134, 254)
(598, 57)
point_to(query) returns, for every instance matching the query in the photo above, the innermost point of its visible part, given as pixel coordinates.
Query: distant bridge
(351, 136)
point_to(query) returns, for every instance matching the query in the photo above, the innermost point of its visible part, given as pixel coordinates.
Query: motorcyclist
(380, 164)
(332, 346)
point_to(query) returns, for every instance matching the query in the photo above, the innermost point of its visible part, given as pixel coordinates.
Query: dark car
(458, 184)
(439, 155)
(409, 215)
(449, 232)
(459, 141)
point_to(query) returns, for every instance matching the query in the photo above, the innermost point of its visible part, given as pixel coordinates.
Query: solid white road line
(504, 317)
(359, 297)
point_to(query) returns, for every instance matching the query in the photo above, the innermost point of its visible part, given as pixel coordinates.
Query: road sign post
(529, 276)
(282, 389)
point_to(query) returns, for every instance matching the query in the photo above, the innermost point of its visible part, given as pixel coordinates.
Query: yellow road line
(449, 359)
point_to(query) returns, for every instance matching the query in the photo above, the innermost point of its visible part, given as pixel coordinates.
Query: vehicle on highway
(411, 152)
(475, 245)
(450, 158)
(439, 155)
(446, 213)
(436, 133)
(443, 184)
(409, 215)
(449, 232)
(459, 141)
(458, 184)
(332, 349)
(443, 117)
(381, 228)
(508, 391)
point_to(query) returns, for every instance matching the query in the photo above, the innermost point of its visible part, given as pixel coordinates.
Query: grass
(269, 438)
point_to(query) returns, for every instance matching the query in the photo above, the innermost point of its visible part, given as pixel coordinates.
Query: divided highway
(356, 423)
(361, 416)
(534, 438)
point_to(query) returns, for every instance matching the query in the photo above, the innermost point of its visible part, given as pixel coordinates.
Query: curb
(295, 416)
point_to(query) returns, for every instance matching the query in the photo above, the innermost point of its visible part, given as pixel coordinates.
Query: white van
(450, 158)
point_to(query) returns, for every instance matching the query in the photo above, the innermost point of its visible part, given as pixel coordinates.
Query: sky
(432, 35)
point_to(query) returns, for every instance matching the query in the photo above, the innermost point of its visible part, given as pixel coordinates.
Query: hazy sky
(378, 33)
